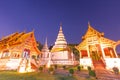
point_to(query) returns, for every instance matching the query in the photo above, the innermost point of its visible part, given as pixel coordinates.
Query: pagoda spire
(89, 24)
(60, 23)
(45, 47)
(46, 43)
(60, 41)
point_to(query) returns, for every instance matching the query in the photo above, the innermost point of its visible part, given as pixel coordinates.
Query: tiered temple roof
(16, 39)
(91, 32)
(96, 36)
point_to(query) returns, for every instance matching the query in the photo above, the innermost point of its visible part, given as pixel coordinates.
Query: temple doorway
(94, 52)
(26, 53)
(94, 55)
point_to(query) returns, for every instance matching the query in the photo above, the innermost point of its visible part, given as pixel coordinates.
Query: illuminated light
(22, 70)
(48, 64)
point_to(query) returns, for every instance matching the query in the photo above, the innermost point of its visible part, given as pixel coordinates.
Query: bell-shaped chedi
(60, 43)
(61, 53)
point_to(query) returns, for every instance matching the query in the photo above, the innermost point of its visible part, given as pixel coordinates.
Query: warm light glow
(48, 64)
(22, 70)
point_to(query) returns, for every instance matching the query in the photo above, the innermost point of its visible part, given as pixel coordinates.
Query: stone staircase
(22, 65)
(34, 64)
(102, 73)
(98, 64)
(28, 65)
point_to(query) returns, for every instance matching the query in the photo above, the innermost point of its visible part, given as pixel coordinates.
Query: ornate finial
(33, 30)
(88, 24)
(60, 26)
(45, 47)
(46, 41)
(24, 31)
(60, 23)
(102, 34)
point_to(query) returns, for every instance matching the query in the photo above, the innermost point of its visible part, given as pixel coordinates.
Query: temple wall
(85, 62)
(13, 64)
(63, 62)
(9, 64)
(0, 55)
(45, 54)
(112, 62)
(60, 55)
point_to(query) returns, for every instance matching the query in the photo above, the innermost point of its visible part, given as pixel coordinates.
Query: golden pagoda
(95, 48)
(17, 50)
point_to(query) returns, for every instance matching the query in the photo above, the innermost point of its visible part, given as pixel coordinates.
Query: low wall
(112, 62)
(85, 62)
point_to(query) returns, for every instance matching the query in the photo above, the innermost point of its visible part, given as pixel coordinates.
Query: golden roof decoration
(14, 39)
(92, 32)
(95, 37)
(60, 49)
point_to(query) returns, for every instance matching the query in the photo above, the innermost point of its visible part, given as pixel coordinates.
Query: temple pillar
(88, 51)
(0, 54)
(114, 47)
(103, 53)
(9, 53)
(80, 54)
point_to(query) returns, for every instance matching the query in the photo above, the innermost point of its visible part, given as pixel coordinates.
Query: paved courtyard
(103, 74)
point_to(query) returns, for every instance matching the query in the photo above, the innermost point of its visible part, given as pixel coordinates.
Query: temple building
(61, 53)
(17, 51)
(96, 50)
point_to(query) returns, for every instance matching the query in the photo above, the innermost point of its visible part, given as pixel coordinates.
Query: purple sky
(44, 16)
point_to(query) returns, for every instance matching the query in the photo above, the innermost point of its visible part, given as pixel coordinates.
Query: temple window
(5, 53)
(84, 53)
(109, 52)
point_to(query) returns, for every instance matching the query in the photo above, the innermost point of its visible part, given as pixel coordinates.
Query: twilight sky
(44, 16)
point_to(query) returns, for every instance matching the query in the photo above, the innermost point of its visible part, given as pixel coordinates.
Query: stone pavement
(62, 72)
(82, 74)
(103, 74)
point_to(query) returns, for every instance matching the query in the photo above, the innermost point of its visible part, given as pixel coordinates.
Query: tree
(39, 45)
(71, 71)
(50, 47)
(74, 50)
